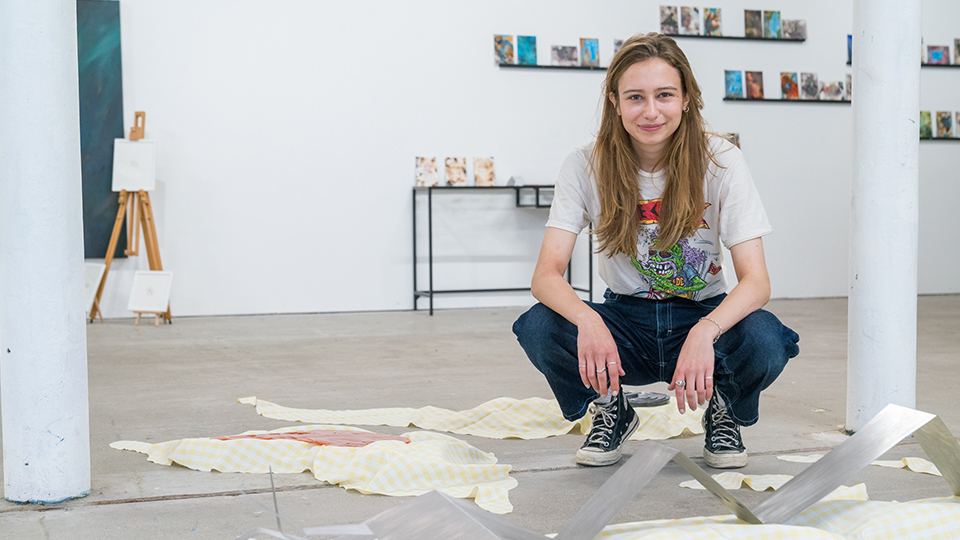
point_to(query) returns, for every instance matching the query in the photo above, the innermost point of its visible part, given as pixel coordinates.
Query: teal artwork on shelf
(101, 120)
(527, 49)
(589, 52)
(771, 25)
(734, 84)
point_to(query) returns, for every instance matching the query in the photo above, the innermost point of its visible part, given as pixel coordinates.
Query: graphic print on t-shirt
(675, 271)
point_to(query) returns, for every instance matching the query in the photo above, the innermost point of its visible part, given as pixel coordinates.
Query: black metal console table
(536, 191)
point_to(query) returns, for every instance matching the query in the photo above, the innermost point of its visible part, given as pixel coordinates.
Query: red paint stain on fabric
(323, 437)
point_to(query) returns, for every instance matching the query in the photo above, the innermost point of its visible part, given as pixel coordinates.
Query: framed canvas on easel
(150, 294)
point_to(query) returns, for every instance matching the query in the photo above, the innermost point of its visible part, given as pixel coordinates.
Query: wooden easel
(132, 204)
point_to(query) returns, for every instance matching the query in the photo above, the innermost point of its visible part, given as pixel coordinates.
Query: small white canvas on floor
(134, 165)
(151, 291)
(91, 282)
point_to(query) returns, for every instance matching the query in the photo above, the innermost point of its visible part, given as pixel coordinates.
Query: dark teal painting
(101, 120)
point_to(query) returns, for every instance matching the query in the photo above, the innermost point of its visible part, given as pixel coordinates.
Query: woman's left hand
(693, 378)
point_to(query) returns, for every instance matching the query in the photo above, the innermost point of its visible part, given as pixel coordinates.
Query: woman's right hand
(597, 355)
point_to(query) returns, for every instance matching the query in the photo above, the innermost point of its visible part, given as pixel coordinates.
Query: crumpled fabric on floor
(772, 482)
(914, 464)
(835, 520)
(430, 461)
(501, 418)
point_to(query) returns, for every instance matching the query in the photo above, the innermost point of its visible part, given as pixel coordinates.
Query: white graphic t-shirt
(692, 268)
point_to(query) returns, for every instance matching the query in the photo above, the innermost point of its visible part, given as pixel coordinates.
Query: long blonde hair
(616, 164)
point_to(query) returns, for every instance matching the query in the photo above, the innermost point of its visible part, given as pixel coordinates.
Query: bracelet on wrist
(720, 328)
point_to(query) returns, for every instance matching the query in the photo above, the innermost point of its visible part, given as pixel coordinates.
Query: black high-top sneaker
(613, 423)
(723, 448)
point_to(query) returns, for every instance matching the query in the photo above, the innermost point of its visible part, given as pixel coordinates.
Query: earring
(686, 109)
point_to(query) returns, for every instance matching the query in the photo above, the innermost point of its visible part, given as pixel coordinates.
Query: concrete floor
(183, 380)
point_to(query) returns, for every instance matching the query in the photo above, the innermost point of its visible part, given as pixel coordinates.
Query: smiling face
(650, 101)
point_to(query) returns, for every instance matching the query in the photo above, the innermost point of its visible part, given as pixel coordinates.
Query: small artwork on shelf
(527, 50)
(957, 123)
(562, 55)
(483, 174)
(589, 52)
(944, 124)
(849, 49)
(789, 85)
(733, 84)
(794, 28)
(456, 171)
(668, 20)
(426, 171)
(752, 23)
(734, 138)
(938, 54)
(712, 24)
(831, 91)
(771, 25)
(689, 21)
(617, 44)
(809, 86)
(503, 49)
(754, 84)
(849, 87)
(926, 125)
(956, 51)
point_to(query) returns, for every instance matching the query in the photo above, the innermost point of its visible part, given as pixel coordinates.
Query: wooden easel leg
(137, 322)
(111, 248)
(156, 320)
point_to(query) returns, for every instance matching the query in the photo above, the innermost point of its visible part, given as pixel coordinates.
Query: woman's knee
(537, 322)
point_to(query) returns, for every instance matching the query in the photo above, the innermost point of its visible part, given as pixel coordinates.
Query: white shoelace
(601, 432)
(725, 433)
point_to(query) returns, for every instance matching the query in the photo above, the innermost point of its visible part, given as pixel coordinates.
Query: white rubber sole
(730, 460)
(603, 459)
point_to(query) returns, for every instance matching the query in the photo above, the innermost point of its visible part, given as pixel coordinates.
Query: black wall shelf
(924, 64)
(940, 138)
(539, 66)
(742, 38)
(832, 101)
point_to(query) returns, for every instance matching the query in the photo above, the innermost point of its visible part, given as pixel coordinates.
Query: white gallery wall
(287, 132)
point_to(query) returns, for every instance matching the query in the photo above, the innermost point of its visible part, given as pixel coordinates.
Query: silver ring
(601, 370)
(708, 378)
(611, 363)
(681, 383)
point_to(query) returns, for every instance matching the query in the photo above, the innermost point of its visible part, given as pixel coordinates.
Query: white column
(882, 313)
(43, 345)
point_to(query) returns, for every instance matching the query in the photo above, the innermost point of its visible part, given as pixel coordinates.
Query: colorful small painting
(831, 91)
(689, 21)
(789, 85)
(849, 49)
(426, 171)
(456, 171)
(733, 84)
(754, 84)
(562, 55)
(503, 49)
(944, 124)
(527, 50)
(926, 125)
(771, 25)
(956, 51)
(794, 29)
(809, 86)
(938, 54)
(752, 23)
(849, 87)
(668, 20)
(712, 25)
(589, 52)
(483, 174)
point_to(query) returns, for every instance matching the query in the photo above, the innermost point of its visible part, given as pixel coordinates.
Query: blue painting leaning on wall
(101, 120)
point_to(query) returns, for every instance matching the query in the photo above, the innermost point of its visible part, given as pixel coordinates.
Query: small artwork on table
(527, 50)
(734, 138)
(733, 84)
(689, 21)
(789, 85)
(809, 86)
(426, 172)
(668, 20)
(944, 124)
(562, 55)
(938, 54)
(712, 25)
(926, 125)
(483, 174)
(831, 91)
(771, 25)
(503, 49)
(617, 44)
(752, 23)
(456, 168)
(794, 29)
(589, 52)
(849, 87)
(150, 292)
(754, 84)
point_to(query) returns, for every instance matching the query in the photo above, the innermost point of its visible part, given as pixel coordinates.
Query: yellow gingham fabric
(914, 464)
(765, 482)
(501, 418)
(431, 461)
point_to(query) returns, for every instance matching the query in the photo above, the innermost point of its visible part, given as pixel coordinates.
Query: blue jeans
(649, 335)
